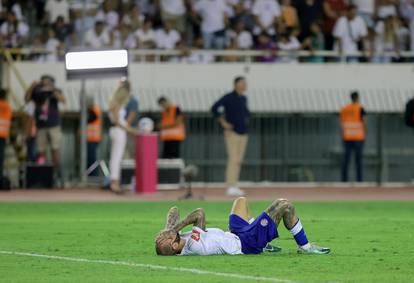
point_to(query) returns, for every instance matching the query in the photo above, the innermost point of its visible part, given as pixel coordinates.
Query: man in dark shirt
(234, 120)
(46, 98)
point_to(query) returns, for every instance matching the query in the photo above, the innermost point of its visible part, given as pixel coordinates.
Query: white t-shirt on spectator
(167, 40)
(385, 11)
(266, 11)
(212, 13)
(97, 41)
(21, 32)
(244, 39)
(383, 44)
(173, 7)
(57, 8)
(51, 47)
(119, 42)
(365, 6)
(145, 36)
(111, 18)
(350, 32)
(199, 57)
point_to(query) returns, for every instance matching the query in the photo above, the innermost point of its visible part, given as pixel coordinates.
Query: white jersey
(213, 241)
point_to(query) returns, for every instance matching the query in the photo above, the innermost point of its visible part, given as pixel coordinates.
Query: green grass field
(370, 241)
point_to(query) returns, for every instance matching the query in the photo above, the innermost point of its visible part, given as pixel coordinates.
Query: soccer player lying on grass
(247, 235)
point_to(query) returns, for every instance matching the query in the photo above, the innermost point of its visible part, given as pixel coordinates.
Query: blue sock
(299, 234)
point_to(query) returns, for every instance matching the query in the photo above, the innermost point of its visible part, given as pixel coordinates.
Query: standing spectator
(121, 37)
(30, 131)
(366, 10)
(52, 45)
(289, 15)
(407, 12)
(290, 44)
(134, 18)
(108, 15)
(61, 28)
(56, 8)
(241, 36)
(266, 13)
(350, 31)
(264, 42)
(214, 19)
(132, 119)
(386, 40)
(5, 121)
(13, 32)
(315, 41)
(172, 128)
(118, 132)
(235, 124)
(46, 98)
(98, 37)
(353, 135)
(167, 37)
(242, 14)
(333, 10)
(309, 11)
(93, 132)
(145, 36)
(174, 11)
(386, 8)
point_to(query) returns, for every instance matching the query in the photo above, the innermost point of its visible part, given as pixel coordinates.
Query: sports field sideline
(112, 241)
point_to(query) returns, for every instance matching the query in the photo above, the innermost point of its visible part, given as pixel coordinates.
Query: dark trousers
(171, 149)
(350, 147)
(92, 156)
(2, 151)
(31, 149)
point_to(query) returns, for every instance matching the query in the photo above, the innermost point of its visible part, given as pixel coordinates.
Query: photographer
(46, 98)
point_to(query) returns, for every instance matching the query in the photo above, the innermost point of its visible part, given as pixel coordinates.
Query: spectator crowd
(346, 26)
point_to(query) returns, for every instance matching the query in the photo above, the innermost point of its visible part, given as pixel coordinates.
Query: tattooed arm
(173, 217)
(196, 218)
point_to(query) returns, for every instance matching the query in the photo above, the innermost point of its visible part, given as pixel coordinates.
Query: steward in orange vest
(172, 128)
(353, 135)
(94, 133)
(5, 121)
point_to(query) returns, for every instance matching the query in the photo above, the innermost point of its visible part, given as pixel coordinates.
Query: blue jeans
(350, 147)
(92, 156)
(213, 41)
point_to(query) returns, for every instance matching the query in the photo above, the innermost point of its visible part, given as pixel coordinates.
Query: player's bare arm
(196, 218)
(173, 217)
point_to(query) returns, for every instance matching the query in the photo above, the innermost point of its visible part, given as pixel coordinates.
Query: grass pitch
(370, 241)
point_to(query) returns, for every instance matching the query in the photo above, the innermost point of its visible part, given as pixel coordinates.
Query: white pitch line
(150, 266)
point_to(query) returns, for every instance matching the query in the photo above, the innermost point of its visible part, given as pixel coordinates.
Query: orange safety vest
(169, 118)
(94, 129)
(353, 128)
(5, 118)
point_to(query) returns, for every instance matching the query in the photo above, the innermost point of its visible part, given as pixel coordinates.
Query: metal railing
(162, 55)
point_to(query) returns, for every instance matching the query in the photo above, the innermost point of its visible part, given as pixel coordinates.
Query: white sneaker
(235, 192)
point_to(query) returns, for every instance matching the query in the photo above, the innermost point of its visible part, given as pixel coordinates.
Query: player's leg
(284, 209)
(241, 208)
(173, 217)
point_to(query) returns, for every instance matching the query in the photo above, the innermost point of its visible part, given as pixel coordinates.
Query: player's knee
(241, 199)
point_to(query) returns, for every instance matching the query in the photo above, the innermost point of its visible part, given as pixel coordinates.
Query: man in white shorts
(246, 235)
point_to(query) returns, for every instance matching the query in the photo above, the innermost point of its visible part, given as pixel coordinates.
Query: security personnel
(94, 132)
(172, 128)
(353, 135)
(5, 121)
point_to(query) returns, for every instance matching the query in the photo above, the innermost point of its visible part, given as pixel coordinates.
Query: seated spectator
(108, 15)
(167, 37)
(174, 11)
(289, 43)
(386, 40)
(314, 42)
(289, 15)
(98, 37)
(349, 31)
(13, 32)
(133, 18)
(197, 55)
(61, 28)
(122, 37)
(241, 37)
(145, 36)
(266, 13)
(213, 14)
(56, 8)
(264, 42)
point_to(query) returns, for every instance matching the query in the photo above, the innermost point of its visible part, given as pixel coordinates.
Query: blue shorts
(255, 236)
